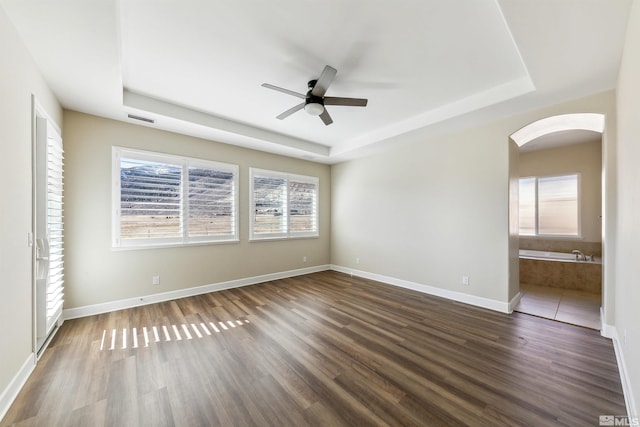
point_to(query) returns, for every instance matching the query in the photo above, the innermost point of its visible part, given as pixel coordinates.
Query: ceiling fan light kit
(315, 101)
(314, 108)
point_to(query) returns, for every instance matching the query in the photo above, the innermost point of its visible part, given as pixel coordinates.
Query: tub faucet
(579, 255)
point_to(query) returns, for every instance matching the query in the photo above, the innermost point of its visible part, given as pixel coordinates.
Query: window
(549, 206)
(283, 205)
(161, 199)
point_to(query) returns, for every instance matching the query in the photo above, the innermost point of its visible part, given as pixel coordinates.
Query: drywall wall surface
(433, 210)
(585, 159)
(627, 265)
(19, 80)
(428, 213)
(514, 229)
(98, 274)
(609, 218)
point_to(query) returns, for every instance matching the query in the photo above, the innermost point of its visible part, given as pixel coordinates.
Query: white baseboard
(90, 310)
(629, 399)
(503, 307)
(10, 393)
(514, 302)
(606, 330)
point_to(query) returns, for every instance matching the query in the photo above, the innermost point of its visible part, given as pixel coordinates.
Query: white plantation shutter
(211, 202)
(161, 199)
(269, 205)
(48, 229)
(150, 204)
(303, 213)
(55, 283)
(283, 205)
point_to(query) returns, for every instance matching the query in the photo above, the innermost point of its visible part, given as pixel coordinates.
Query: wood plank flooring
(322, 349)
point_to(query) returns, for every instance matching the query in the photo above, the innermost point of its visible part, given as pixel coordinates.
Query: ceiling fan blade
(326, 118)
(281, 89)
(290, 111)
(324, 81)
(352, 102)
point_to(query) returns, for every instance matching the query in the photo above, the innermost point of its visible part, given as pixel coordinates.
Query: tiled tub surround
(565, 274)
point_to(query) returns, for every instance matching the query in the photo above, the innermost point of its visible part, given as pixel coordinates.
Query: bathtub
(554, 256)
(560, 270)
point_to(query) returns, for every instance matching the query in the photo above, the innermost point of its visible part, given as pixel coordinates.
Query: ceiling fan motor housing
(313, 104)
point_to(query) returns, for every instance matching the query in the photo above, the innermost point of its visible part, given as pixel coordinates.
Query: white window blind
(211, 202)
(550, 206)
(150, 199)
(48, 228)
(162, 199)
(55, 284)
(283, 205)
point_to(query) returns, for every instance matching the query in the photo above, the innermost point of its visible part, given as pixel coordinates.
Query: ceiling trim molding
(222, 129)
(494, 95)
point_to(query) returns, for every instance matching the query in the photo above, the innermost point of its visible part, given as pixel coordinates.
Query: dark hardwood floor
(322, 349)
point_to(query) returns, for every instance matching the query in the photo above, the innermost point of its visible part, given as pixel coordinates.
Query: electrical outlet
(465, 280)
(357, 260)
(304, 258)
(155, 280)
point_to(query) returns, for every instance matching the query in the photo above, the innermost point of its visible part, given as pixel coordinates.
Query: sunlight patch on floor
(155, 334)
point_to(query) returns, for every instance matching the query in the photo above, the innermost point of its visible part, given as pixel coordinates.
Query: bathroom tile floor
(564, 305)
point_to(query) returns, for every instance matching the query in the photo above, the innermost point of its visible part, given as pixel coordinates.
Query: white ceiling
(196, 66)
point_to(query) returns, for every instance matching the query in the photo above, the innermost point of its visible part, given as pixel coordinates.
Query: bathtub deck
(564, 305)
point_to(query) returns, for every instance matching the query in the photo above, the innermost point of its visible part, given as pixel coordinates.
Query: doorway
(48, 229)
(561, 229)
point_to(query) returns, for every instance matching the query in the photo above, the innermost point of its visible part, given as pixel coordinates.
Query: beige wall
(436, 209)
(19, 79)
(585, 159)
(97, 274)
(627, 261)
(514, 222)
(419, 213)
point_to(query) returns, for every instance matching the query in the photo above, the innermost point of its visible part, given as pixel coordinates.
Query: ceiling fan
(315, 101)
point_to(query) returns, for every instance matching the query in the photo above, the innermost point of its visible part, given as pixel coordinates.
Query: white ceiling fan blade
(290, 111)
(283, 90)
(351, 102)
(327, 76)
(326, 118)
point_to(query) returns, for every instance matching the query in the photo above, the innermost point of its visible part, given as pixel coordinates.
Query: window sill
(274, 239)
(172, 245)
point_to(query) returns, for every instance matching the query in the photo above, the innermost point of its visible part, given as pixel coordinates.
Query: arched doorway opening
(560, 210)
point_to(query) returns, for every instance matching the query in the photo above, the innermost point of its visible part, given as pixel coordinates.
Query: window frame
(288, 234)
(537, 233)
(184, 162)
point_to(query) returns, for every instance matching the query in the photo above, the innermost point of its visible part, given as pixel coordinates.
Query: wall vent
(142, 119)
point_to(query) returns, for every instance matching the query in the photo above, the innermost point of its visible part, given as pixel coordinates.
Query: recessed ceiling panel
(411, 59)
